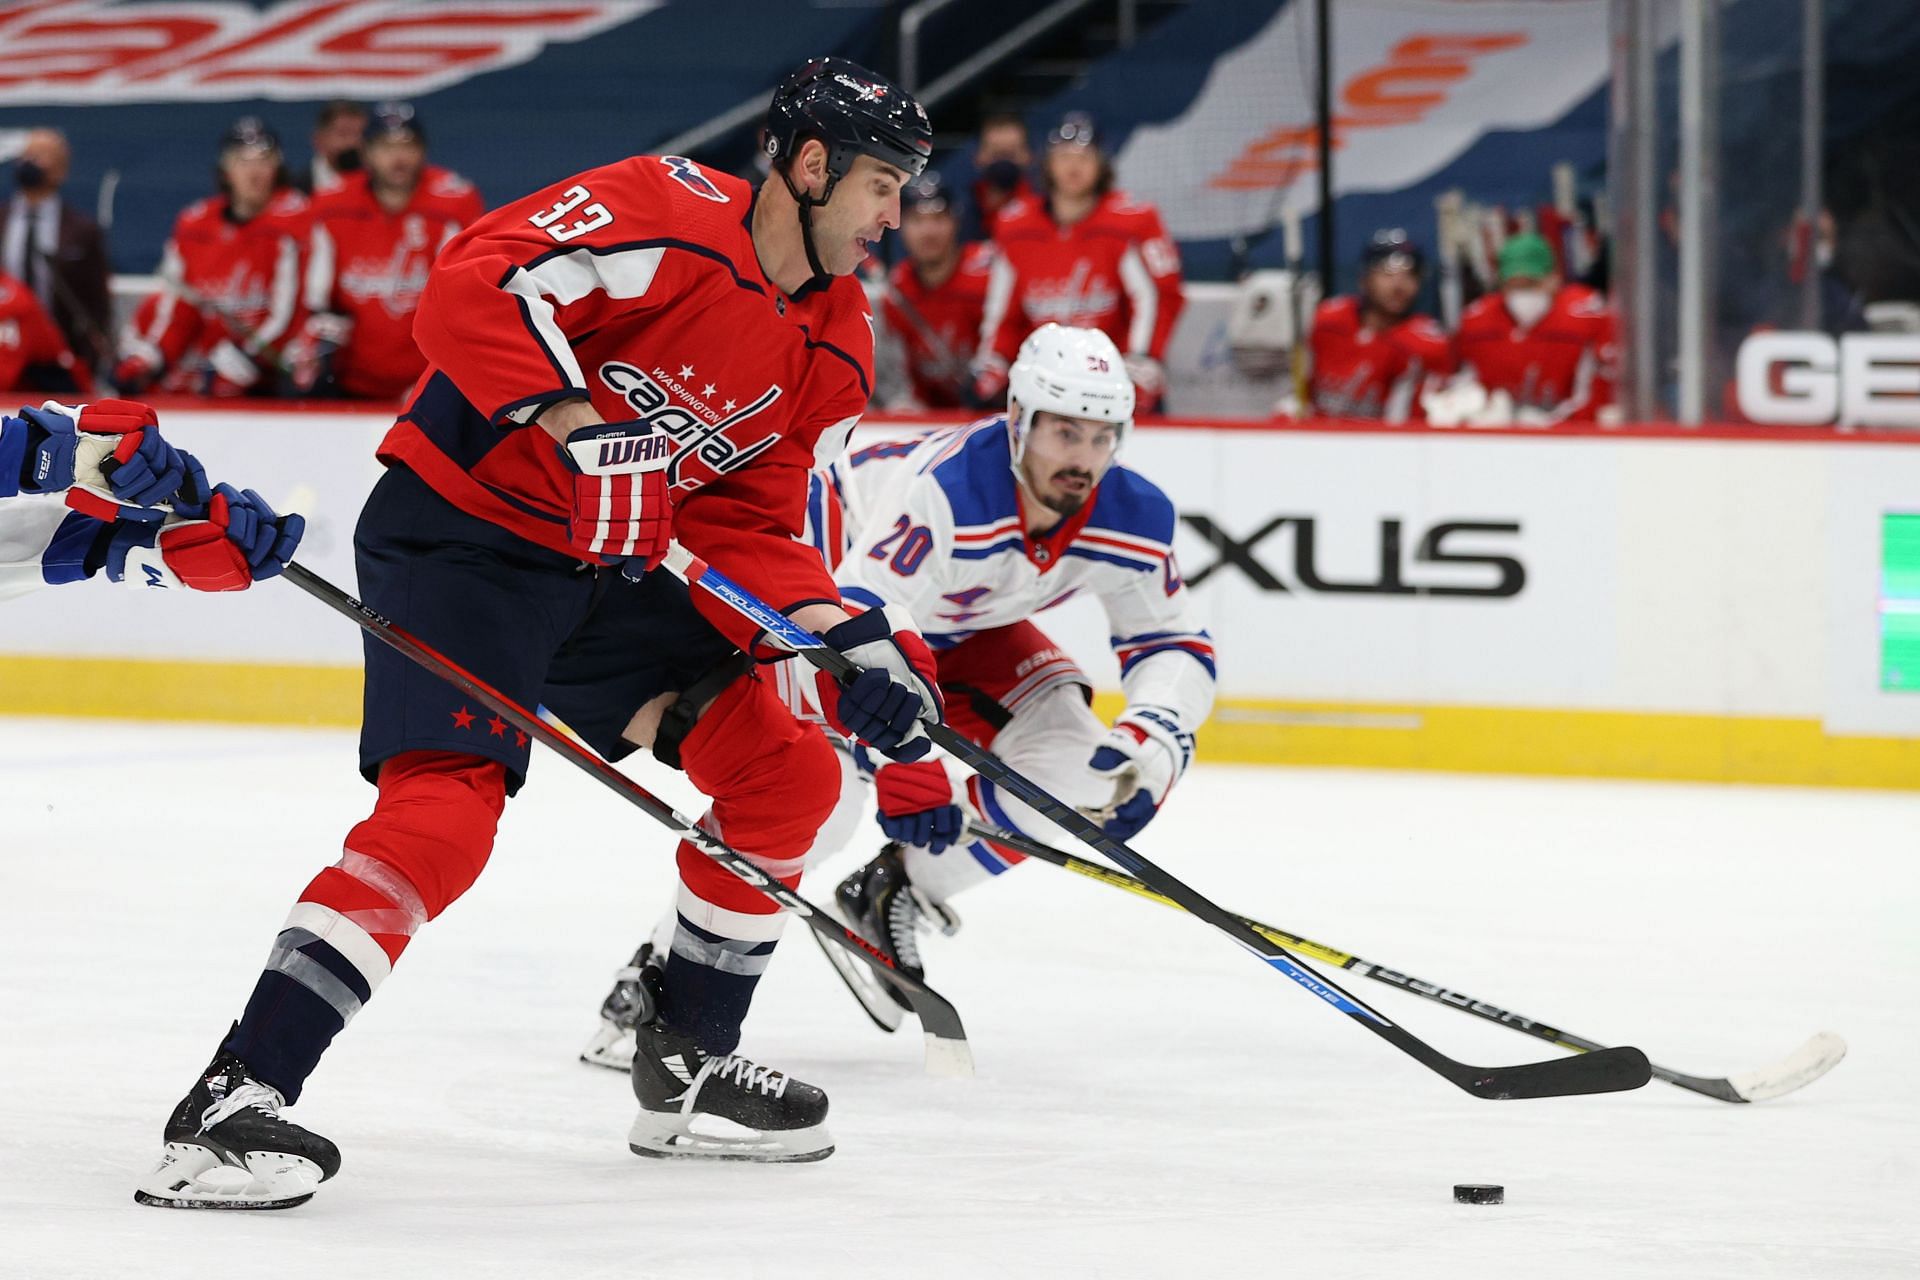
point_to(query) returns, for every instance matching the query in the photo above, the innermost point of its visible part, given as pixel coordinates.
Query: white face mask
(1526, 306)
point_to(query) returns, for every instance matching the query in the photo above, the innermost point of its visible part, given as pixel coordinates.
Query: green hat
(1526, 255)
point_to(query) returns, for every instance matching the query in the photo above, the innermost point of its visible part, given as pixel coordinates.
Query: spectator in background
(1536, 353)
(229, 281)
(1001, 160)
(57, 251)
(34, 355)
(1371, 352)
(374, 241)
(936, 295)
(338, 132)
(1083, 255)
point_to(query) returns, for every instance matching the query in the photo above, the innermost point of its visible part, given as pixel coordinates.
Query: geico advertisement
(1812, 379)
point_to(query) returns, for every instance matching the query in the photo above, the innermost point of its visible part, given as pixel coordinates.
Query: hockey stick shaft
(1604, 1071)
(947, 1042)
(1346, 960)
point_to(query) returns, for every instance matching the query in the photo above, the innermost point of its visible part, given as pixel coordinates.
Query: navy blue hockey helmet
(395, 120)
(249, 133)
(1076, 129)
(1393, 250)
(854, 112)
(927, 193)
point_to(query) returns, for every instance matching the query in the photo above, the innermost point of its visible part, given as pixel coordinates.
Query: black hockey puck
(1479, 1193)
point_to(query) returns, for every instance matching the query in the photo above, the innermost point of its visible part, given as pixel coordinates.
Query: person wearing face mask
(1001, 159)
(229, 281)
(55, 250)
(1371, 351)
(337, 135)
(1083, 255)
(375, 238)
(1543, 352)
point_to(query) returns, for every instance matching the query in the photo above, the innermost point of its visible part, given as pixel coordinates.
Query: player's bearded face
(1392, 291)
(865, 204)
(1065, 458)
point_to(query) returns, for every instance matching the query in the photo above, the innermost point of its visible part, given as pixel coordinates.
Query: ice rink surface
(1150, 1102)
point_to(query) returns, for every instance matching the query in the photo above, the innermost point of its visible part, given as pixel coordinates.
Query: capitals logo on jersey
(703, 432)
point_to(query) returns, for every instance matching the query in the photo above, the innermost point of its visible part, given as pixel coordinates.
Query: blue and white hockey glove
(1141, 758)
(235, 542)
(109, 459)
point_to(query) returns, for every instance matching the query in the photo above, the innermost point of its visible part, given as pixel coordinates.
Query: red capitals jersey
(940, 326)
(637, 286)
(1563, 368)
(33, 354)
(371, 266)
(1114, 270)
(1361, 373)
(223, 280)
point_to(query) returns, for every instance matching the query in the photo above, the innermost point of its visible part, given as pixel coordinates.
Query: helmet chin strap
(805, 205)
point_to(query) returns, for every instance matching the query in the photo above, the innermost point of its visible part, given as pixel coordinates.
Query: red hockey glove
(621, 504)
(917, 806)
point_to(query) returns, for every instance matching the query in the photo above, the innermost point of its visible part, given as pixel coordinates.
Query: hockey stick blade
(1819, 1055)
(947, 1051)
(1620, 1069)
(1806, 1064)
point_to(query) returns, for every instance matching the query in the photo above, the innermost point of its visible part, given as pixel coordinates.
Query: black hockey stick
(1603, 1071)
(947, 1051)
(1819, 1055)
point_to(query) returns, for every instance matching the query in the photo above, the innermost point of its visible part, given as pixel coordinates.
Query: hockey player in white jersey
(972, 532)
(95, 487)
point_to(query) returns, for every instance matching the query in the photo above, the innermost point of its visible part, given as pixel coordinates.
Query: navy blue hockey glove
(884, 705)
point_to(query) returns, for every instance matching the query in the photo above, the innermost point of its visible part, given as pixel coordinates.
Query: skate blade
(190, 1176)
(673, 1137)
(875, 996)
(611, 1047)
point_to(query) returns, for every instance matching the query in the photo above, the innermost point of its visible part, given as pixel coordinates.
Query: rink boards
(1736, 605)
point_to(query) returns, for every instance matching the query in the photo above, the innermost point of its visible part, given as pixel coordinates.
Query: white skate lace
(903, 919)
(250, 1094)
(749, 1076)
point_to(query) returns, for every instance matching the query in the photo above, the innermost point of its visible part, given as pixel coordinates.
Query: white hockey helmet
(1077, 373)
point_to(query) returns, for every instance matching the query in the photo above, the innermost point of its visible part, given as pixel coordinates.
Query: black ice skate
(627, 1006)
(696, 1105)
(228, 1148)
(880, 904)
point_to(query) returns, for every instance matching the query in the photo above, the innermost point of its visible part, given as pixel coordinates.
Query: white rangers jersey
(42, 543)
(934, 527)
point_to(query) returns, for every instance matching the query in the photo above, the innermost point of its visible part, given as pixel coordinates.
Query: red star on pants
(497, 727)
(463, 719)
(519, 739)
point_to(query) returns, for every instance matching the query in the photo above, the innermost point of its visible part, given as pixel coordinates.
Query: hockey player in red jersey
(229, 281)
(1536, 353)
(1001, 159)
(936, 295)
(33, 352)
(1082, 255)
(374, 239)
(643, 351)
(1371, 353)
